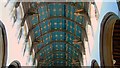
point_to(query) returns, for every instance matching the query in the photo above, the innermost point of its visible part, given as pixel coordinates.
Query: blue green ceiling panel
(36, 32)
(34, 19)
(56, 31)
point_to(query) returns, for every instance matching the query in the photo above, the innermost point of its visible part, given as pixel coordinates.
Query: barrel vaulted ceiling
(54, 28)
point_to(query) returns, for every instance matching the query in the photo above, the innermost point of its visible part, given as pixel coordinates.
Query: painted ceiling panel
(45, 27)
(70, 10)
(40, 45)
(46, 38)
(37, 32)
(34, 19)
(57, 23)
(58, 36)
(69, 38)
(60, 62)
(48, 58)
(78, 31)
(70, 26)
(58, 46)
(56, 9)
(56, 32)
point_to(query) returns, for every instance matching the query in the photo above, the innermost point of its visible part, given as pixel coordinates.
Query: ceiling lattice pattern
(55, 28)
